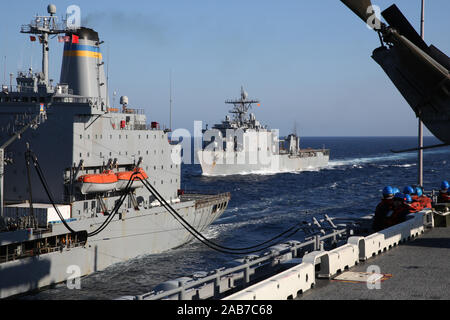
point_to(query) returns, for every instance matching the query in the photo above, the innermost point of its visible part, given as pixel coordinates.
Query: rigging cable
(208, 242)
(289, 232)
(104, 223)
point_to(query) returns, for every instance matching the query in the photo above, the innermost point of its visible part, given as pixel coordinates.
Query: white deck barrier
(386, 239)
(334, 261)
(302, 277)
(285, 285)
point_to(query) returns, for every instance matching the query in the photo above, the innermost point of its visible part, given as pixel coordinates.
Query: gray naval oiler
(73, 132)
(242, 145)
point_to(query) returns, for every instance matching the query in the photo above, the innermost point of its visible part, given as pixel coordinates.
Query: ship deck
(416, 270)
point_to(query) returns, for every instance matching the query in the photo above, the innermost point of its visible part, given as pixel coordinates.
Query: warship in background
(241, 145)
(89, 204)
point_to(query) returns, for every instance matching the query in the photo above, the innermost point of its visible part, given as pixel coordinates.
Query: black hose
(104, 223)
(288, 233)
(208, 242)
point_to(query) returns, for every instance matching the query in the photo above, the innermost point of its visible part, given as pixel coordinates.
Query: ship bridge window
(81, 136)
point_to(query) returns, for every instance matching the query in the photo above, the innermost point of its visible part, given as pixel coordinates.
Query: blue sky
(307, 61)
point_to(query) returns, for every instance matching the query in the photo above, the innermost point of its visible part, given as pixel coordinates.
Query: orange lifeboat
(125, 176)
(96, 183)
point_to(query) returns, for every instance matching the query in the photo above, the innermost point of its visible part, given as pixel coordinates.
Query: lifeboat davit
(97, 183)
(125, 176)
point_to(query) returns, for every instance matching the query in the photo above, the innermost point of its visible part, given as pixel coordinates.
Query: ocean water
(264, 205)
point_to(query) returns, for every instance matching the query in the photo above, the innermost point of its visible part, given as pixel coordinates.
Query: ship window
(96, 136)
(155, 136)
(162, 181)
(139, 136)
(162, 167)
(101, 136)
(119, 153)
(110, 153)
(88, 154)
(89, 136)
(154, 151)
(126, 136)
(126, 153)
(147, 136)
(81, 154)
(147, 152)
(120, 136)
(154, 167)
(162, 151)
(110, 136)
(93, 204)
(139, 152)
(81, 136)
(85, 206)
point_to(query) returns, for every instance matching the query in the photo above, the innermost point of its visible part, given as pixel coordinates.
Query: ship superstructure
(88, 153)
(241, 144)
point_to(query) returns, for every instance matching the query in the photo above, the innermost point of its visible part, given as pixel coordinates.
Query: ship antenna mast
(241, 106)
(43, 26)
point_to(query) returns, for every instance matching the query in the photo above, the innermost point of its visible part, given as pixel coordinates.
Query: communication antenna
(170, 100)
(4, 71)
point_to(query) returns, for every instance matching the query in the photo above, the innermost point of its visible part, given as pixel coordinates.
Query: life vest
(425, 201)
(414, 207)
(399, 214)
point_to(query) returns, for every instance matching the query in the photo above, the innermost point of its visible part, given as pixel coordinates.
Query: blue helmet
(388, 191)
(408, 190)
(408, 198)
(399, 195)
(445, 185)
(419, 191)
(396, 190)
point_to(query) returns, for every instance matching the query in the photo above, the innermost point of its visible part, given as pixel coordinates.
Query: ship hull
(275, 164)
(128, 236)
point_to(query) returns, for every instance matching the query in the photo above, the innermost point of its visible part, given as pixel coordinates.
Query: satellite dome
(51, 8)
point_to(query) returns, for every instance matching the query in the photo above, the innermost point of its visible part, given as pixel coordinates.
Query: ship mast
(241, 106)
(43, 26)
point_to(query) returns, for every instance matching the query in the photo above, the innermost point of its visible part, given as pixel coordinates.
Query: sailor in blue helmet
(400, 210)
(384, 209)
(444, 196)
(408, 190)
(424, 201)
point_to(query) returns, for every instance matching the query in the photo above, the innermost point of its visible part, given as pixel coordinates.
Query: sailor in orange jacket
(400, 209)
(423, 199)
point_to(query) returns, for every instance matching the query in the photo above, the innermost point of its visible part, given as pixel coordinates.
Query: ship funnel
(82, 66)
